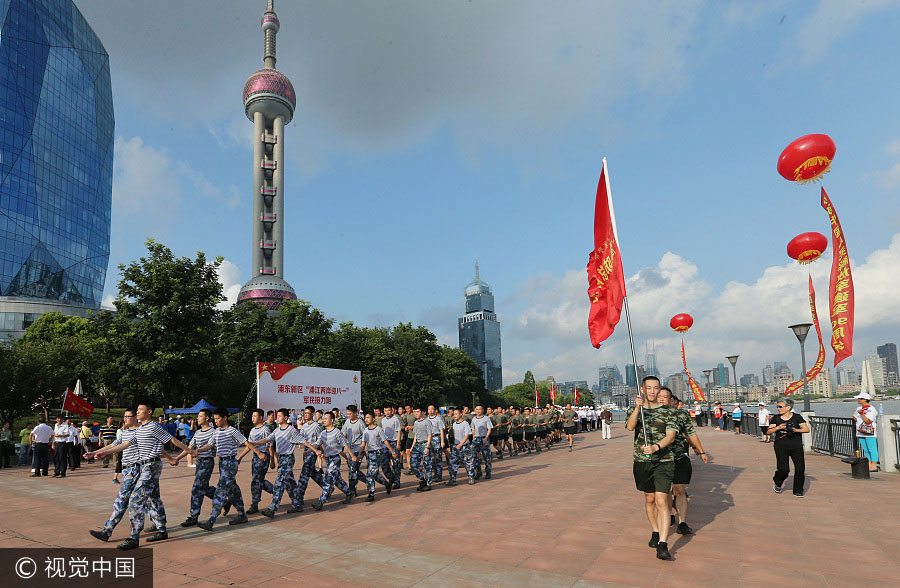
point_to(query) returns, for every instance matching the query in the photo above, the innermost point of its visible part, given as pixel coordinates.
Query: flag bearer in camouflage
(310, 432)
(226, 441)
(259, 438)
(130, 473)
(654, 463)
(461, 449)
(353, 430)
(282, 441)
(481, 447)
(438, 442)
(684, 439)
(203, 463)
(420, 456)
(376, 448)
(332, 444)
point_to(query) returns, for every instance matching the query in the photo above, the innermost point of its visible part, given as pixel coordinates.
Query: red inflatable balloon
(807, 248)
(681, 322)
(807, 159)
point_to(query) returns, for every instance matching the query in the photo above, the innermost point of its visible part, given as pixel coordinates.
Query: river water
(829, 409)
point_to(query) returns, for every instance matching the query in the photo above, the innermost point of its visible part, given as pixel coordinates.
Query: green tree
(29, 381)
(460, 376)
(529, 379)
(167, 321)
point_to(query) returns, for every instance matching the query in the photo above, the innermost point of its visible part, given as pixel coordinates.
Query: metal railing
(750, 425)
(895, 427)
(835, 436)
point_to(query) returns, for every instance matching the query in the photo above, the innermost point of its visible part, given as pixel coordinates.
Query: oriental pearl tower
(269, 102)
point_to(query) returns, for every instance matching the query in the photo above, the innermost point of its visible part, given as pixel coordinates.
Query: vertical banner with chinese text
(840, 288)
(820, 358)
(696, 390)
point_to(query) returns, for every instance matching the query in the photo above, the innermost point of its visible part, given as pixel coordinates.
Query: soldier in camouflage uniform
(259, 467)
(684, 439)
(310, 431)
(376, 448)
(654, 463)
(461, 448)
(420, 455)
(203, 464)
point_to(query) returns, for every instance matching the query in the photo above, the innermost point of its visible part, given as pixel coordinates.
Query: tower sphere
(270, 21)
(269, 91)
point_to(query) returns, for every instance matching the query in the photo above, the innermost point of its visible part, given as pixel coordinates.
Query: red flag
(696, 390)
(552, 393)
(576, 395)
(840, 288)
(74, 403)
(537, 396)
(820, 359)
(606, 279)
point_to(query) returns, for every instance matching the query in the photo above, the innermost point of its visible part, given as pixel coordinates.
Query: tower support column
(278, 201)
(259, 127)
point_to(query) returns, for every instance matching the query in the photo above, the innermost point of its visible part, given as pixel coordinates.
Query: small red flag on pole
(74, 403)
(576, 395)
(537, 396)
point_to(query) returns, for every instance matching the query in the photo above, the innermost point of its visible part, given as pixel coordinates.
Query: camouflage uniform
(201, 488)
(437, 458)
(284, 480)
(466, 454)
(130, 475)
(333, 478)
(376, 459)
(481, 451)
(681, 447)
(258, 482)
(422, 470)
(308, 470)
(146, 491)
(654, 473)
(227, 489)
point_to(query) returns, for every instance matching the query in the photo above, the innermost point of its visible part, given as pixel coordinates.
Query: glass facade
(479, 332)
(56, 158)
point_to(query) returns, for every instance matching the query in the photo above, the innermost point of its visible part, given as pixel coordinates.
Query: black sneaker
(267, 512)
(487, 476)
(662, 551)
(101, 535)
(387, 488)
(239, 520)
(477, 475)
(189, 522)
(654, 539)
(471, 481)
(206, 525)
(128, 544)
(450, 483)
(292, 509)
(252, 510)
(347, 499)
(151, 528)
(318, 504)
(427, 488)
(227, 509)
(370, 498)
(684, 529)
(159, 536)
(800, 495)
(420, 487)
(777, 489)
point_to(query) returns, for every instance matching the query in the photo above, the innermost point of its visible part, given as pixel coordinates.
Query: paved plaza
(557, 519)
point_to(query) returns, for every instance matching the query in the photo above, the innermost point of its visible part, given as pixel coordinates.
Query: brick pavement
(555, 519)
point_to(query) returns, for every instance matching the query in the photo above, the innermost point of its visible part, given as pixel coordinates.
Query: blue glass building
(56, 162)
(479, 331)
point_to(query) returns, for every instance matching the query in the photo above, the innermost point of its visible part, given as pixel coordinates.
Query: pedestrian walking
(332, 445)
(685, 438)
(736, 416)
(763, 417)
(41, 437)
(719, 415)
(606, 423)
(481, 448)
(283, 441)
(788, 428)
(438, 442)
(353, 430)
(25, 448)
(570, 421)
(259, 466)
(204, 463)
(60, 448)
(393, 432)
(420, 455)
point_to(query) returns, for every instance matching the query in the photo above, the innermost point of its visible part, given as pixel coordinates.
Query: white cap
(737, 403)
(762, 403)
(864, 396)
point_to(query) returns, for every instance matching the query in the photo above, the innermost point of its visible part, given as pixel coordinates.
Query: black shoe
(268, 512)
(654, 539)
(206, 525)
(427, 488)
(471, 481)
(798, 495)
(387, 488)
(239, 520)
(487, 476)
(499, 456)
(253, 509)
(317, 504)
(451, 483)
(777, 489)
(189, 522)
(477, 475)
(420, 487)
(292, 509)
(662, 551)
(151, 528)
(227, 509)
(684, 529)
(370, 498)
(672, 521)
(159, 536)
(128, 544)
(101, 535)
(35, 475)
(347, 499)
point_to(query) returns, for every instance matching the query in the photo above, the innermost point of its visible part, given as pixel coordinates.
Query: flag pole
(612, 218)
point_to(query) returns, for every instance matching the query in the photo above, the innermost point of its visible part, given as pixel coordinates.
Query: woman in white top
(865, 416)
(763, 417)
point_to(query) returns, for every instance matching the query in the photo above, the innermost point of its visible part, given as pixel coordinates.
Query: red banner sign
(74, 403)
(695, 387)
(840, 288)
(820, 359)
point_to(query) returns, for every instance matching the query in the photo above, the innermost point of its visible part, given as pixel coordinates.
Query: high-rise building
(781, 367)
(720, 375)
(888, 352)
(873, 369)
(676, 384)
(269, 102)
(630, 372)
(56, 163)
(479, 331)
(650, 362)
(822, 384)
(768, 375)
(608, 377)
(749, 380)
(782, 381)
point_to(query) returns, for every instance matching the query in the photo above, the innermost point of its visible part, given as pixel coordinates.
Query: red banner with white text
(820, 359)
(696, 390)
(840, 288)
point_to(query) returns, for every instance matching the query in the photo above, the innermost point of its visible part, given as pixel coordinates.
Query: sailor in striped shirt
(259, 467)
(332, 444)
(225, 441)
(203, 464)
(310, 432)
(376, 448)
(283, 440)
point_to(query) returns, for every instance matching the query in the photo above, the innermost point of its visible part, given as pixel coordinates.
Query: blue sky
(429, 134)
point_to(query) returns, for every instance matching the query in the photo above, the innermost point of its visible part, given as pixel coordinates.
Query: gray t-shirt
(390, 426)
(310, 433)
(461, 431)
(481, 426)
(437, 425)
(374, 438)
(422, 430)
(332, 442)
(257, 433)
(354, 433)
(285, 439)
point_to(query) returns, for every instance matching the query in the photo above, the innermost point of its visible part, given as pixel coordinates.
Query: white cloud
(231, 278)
(890, 178)
(750, 319)
(108, 301)
(144, 181)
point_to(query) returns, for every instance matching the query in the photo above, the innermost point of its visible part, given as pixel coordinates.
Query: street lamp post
(732, 359)
(801, 330)
(708, 401)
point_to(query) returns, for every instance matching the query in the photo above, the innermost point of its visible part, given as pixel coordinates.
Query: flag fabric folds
(576, 396)
(76, 404)
(696, 390)
(552, 393)
(840, 288)
(820, 358)
(606, 279)
(537, 396)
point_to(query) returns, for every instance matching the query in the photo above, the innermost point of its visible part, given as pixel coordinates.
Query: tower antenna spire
(477, 276)
(270, 26)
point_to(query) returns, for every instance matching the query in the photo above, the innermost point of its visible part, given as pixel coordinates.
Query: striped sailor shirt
(131, 455)
(202, 437)
(374, 438)
(226, 441)
(150, 438)
(332, 442)
(285, 439)
(311, 432)
(257, 433)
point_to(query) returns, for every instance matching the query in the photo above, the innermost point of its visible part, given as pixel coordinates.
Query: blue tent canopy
(197, 408)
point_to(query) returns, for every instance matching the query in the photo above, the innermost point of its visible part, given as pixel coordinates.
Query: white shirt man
(763, 417)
